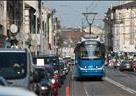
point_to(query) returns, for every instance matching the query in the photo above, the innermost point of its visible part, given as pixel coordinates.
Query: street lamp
(87, 19)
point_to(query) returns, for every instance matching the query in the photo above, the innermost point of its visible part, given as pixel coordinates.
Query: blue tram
(89, 59)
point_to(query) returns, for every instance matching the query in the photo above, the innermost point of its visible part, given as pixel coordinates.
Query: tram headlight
(98, 66)
(82, 66)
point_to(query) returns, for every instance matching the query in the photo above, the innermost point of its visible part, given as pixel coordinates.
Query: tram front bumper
(91, 73)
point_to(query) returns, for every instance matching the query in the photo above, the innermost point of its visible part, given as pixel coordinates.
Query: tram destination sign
(90, 42)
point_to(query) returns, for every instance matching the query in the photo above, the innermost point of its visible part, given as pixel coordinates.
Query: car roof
(15, 91)
(12, 50)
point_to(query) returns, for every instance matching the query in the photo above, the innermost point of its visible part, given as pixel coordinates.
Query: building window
(1, 29)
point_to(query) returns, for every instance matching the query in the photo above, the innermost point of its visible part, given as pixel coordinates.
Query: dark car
(125, 65)
(50, 59)
(63, 67)
(55, 80)
(134, 66)
(43, 86)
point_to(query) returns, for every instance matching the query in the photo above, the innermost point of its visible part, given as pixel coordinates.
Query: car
(125, 65)
(53, 78)
(16, 66)
(3, 82)
(49, 59)
(134, 66)
(116, 64)
(52, 60)
(44, 86)
(111, 63)
(59, 76)
(15, 91)
(55, 82)
(67, 60)
(62, 67)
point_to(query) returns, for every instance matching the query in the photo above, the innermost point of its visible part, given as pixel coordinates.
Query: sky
(70, 12)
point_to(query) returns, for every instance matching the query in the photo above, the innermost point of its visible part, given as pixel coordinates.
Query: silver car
(15, 91)
(3, 82)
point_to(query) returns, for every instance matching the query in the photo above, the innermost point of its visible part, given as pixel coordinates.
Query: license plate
(128, 66)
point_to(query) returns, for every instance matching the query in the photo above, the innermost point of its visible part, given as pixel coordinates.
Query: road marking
(132, 91)
(87, 94)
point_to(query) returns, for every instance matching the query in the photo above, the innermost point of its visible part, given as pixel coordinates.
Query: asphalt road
(115, 83)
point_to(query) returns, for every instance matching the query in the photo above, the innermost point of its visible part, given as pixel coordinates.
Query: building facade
(2, 23)
(108, 31)
(36, 25)
(121, 23)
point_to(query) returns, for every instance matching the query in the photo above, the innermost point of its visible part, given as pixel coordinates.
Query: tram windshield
(90, 51)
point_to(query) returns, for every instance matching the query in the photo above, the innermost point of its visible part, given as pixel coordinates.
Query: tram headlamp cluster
(95, 66)
(98, 66)
(82, 66)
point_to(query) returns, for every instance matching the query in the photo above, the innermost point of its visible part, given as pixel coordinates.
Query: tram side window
(83, 52)
(97, 53)
(103, 50)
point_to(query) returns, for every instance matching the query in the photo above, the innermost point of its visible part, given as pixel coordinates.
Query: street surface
(115, 83)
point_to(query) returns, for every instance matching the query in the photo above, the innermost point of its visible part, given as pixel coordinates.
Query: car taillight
(56, 75)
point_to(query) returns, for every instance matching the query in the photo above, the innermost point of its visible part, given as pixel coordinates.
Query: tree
(60, 40)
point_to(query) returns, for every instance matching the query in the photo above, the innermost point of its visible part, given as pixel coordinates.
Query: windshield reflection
(90, 51)
(13, 65)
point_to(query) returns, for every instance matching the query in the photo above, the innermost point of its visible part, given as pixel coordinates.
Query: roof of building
(95, 30)
(125, 6)
(73, 36)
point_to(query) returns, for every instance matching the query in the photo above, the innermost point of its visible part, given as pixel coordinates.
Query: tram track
(86, 92)
(95, 87)
(105, 88)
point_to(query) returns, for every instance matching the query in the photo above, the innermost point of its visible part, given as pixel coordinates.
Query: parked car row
(51, 72)
(41, 75)
(126, 65)
(122, 65)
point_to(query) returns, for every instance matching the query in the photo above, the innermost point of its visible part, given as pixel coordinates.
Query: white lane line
(87, 94)
(132, 91)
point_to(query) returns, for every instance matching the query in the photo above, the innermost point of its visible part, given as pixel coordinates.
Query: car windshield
(124, 62)
(13, 65)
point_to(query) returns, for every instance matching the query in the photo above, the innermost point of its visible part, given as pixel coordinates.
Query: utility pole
(88, 21)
